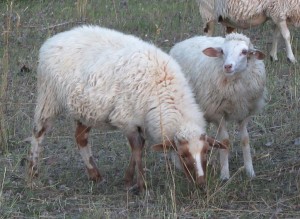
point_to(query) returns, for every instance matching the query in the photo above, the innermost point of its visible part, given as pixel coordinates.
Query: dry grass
(62, 189)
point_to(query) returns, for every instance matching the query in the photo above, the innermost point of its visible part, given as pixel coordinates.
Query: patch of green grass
(63, 190)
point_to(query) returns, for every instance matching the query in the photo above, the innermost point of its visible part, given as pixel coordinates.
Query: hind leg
(46, 110)
(209, 28)
(36, 140)
(273, 52)
(81, 136)
(287, 39)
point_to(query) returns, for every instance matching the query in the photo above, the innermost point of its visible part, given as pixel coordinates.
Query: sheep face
(190, 155)
(235, 55)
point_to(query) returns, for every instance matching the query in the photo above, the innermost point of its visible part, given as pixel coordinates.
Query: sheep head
(235, 52)
(191, 155)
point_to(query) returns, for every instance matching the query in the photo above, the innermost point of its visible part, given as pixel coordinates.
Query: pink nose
(228, 67)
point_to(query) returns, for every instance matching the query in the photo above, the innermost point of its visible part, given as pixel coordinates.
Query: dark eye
(244, 51)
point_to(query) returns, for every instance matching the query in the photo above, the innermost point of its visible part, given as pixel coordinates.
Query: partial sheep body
(108, 80)
(246, 14)
(229, 81)
(206, 8)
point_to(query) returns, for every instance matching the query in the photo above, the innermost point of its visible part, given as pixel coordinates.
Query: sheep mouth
(229, 73)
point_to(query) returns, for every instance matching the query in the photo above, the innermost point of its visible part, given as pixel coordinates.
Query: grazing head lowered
(189, 153)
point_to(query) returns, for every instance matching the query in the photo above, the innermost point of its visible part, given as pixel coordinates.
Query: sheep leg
(46, 110)
(223, 136)
(36, 140)
(81, 136)
(273, 52)
(137, 143)
(246, 148)
(287, 38)
(209, 28)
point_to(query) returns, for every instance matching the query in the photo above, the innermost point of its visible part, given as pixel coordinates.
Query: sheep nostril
(228, 67)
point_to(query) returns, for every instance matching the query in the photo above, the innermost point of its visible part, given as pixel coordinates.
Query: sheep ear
(257, 54)
(213, 142)
(213, 52)
(168, 145)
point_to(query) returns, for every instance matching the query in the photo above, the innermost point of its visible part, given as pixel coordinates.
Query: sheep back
(241, 10)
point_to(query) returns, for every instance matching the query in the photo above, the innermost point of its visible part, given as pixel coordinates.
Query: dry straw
(4, 78)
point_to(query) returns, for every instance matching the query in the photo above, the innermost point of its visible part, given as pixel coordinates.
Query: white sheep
(229, 82)
(105, 79)
(247, 14)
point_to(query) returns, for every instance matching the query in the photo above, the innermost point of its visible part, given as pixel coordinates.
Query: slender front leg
(246, 148)
(81, 136)
(223, 136)
(137, 143)
(273, 52)
(287, 38)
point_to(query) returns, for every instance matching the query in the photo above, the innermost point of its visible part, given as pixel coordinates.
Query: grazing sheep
(246, 14)
(106, 79)
(229, 82)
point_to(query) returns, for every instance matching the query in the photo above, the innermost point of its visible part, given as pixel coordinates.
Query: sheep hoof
(251, 174)
(224, 178)
(292, 60)
(201, 187)
(32, 170)
(135, 189)
(94, 175)
(273, 59)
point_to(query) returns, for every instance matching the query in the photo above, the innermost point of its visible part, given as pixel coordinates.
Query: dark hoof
(128, 184)
(135, 189)
(94, 175)
(272, 59)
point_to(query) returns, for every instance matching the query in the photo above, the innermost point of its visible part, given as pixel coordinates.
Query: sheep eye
(244, 51)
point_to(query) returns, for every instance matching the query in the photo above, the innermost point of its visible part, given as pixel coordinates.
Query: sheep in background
(246, 14)
(229, 82)
(105, 79)
(206, 8)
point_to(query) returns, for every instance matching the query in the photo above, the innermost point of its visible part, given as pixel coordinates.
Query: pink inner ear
(257, 54)
(213, 142)
(212, 52)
